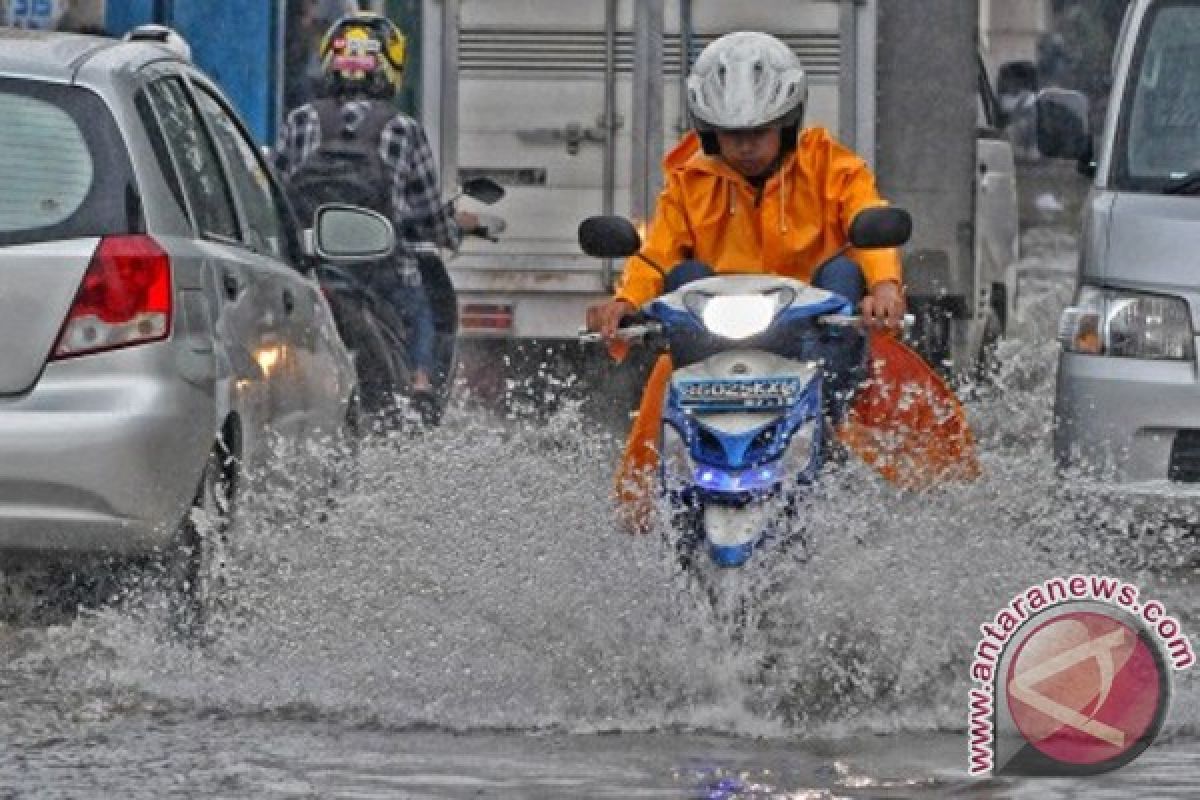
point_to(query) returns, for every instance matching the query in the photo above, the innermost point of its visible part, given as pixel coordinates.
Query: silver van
(1128, 396)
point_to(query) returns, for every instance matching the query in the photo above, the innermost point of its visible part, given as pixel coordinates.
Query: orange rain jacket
(801, 216)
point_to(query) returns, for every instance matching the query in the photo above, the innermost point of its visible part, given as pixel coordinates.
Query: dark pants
(413, 305)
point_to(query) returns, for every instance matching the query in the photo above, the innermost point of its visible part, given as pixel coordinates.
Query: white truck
(571, 105)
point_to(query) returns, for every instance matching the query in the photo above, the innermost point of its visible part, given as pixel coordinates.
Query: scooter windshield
(759, 312)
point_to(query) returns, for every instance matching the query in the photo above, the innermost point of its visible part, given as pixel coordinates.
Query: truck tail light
(486, 317)
(124, 299)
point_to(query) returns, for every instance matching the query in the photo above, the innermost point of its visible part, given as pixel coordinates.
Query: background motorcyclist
(362, 58)
(749, 191)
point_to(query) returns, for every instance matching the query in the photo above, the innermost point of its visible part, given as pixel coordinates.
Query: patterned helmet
(365, 53)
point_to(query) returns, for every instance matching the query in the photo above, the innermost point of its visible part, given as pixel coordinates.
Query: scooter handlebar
(857, 320)
(490, 225)
(642, 330)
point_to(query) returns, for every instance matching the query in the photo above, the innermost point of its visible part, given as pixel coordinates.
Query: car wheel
(197, 557)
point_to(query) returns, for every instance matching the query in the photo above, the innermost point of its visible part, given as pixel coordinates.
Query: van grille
(1185, 457)
(559, 53)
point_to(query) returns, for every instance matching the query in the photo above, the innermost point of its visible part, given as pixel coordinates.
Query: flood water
(466, 622)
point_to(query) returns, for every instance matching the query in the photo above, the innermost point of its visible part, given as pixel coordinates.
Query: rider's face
(751, 152)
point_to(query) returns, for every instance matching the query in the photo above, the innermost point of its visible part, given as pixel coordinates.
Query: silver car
(1128, 398)
(156, 319)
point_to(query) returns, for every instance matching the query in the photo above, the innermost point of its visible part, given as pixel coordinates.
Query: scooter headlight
(738, 316)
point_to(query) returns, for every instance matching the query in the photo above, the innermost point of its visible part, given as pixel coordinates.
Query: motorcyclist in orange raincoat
(749, 191)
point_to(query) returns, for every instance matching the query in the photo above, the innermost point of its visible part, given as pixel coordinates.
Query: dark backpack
(347, 167)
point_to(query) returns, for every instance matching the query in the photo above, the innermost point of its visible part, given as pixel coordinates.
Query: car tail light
(124, 299)
(488, 317)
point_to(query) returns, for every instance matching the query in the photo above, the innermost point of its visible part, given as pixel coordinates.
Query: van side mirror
(1062, 125)
(1016, 77)
(349, 233)
(875, 228)
(609, 237)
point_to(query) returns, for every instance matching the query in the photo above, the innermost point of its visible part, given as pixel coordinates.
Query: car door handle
(289, 301)
(229, 282)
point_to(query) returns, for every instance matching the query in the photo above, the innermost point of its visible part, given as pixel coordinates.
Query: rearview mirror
(609, 237)
(350, 233)
(1016, 77)
(1062, 124)
(875, 228)
(483, 189)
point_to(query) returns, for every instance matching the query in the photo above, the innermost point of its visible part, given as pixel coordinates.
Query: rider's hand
(884, 307)
(466, 220)
(605, 318)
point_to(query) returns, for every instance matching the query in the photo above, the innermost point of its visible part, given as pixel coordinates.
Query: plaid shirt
(418, 209)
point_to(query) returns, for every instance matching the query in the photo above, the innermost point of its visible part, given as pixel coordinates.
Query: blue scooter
(762, 364)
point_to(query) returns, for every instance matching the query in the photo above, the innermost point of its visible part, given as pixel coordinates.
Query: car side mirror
(1062, 125)
(609, 237)
(349, 233)
(875, 228)
(1015, 77)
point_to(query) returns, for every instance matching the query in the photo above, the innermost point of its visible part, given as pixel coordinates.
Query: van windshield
(1160, 139)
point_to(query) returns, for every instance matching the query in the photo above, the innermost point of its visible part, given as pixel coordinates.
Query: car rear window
(64, 172)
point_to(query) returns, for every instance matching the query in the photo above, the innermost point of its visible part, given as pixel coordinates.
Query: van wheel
(197, 558)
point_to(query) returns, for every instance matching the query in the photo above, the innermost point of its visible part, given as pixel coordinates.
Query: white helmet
(161, 34)
(746, 80)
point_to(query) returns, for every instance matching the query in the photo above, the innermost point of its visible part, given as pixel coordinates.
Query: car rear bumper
(104, 463)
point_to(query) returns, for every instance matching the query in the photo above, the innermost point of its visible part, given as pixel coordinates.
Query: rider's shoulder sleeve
(852, 182)
(668, 240)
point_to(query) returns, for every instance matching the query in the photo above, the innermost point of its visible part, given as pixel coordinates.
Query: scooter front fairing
(743, 423)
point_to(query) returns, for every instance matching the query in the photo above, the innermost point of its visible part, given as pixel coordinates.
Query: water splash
(471, 579)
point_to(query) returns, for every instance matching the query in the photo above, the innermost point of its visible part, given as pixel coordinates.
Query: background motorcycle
(375, 332)
(760, 364)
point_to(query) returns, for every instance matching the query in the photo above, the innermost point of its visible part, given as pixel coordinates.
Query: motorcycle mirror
(609, 237)
(348, 233)
(875, 228)
(483, 189)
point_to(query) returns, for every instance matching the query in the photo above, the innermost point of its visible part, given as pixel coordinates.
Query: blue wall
(233, 41)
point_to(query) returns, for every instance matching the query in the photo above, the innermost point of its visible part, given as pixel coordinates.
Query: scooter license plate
(744, 393)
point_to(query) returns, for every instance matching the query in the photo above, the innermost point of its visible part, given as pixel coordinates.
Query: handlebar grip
(854, 320)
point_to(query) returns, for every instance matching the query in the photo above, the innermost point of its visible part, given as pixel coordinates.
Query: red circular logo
(1085, 688)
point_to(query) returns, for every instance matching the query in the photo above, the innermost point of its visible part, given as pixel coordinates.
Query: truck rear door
(535, 78)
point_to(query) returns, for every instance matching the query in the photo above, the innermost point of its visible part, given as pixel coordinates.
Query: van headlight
(1116, 322)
